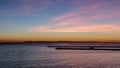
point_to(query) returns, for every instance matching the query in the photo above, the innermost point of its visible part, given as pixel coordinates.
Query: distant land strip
(55, 42)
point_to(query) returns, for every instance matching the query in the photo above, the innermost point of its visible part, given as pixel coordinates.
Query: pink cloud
(39, 28)
(95, 12)
(64, 16)
(73, 17)
(92, 28)
(75, 12)
(69, 21)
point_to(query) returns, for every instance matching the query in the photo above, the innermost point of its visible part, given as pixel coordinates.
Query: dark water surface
(37, 56)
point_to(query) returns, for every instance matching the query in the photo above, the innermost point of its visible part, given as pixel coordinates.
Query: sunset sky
(54, 20)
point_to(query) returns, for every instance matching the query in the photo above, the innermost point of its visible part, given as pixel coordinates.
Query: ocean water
(40, 56)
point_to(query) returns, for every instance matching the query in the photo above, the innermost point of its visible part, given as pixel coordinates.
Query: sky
(59, 20)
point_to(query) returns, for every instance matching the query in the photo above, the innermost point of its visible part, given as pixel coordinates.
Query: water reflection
(43, 57)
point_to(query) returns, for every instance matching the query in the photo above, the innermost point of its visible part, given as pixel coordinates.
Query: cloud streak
(92, 28)
(75, 20)
(64, 16)
(70, 21)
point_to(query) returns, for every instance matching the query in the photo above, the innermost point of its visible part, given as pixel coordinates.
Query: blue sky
(24, 19)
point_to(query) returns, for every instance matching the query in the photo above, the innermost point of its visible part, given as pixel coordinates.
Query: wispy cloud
(39, 28)
(75, 16)
(64, 16)
(75, 20)
(92, 28)
(69, 21)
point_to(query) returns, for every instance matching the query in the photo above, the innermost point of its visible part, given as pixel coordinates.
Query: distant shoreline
(29, 42)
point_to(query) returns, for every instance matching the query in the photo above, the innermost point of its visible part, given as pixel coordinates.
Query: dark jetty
(86, 47)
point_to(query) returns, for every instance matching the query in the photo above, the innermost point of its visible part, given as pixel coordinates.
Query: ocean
(41, 56)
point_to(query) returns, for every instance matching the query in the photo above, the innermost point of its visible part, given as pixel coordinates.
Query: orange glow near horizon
(60, 37)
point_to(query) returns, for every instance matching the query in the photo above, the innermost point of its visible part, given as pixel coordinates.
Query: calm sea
(40, 56)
